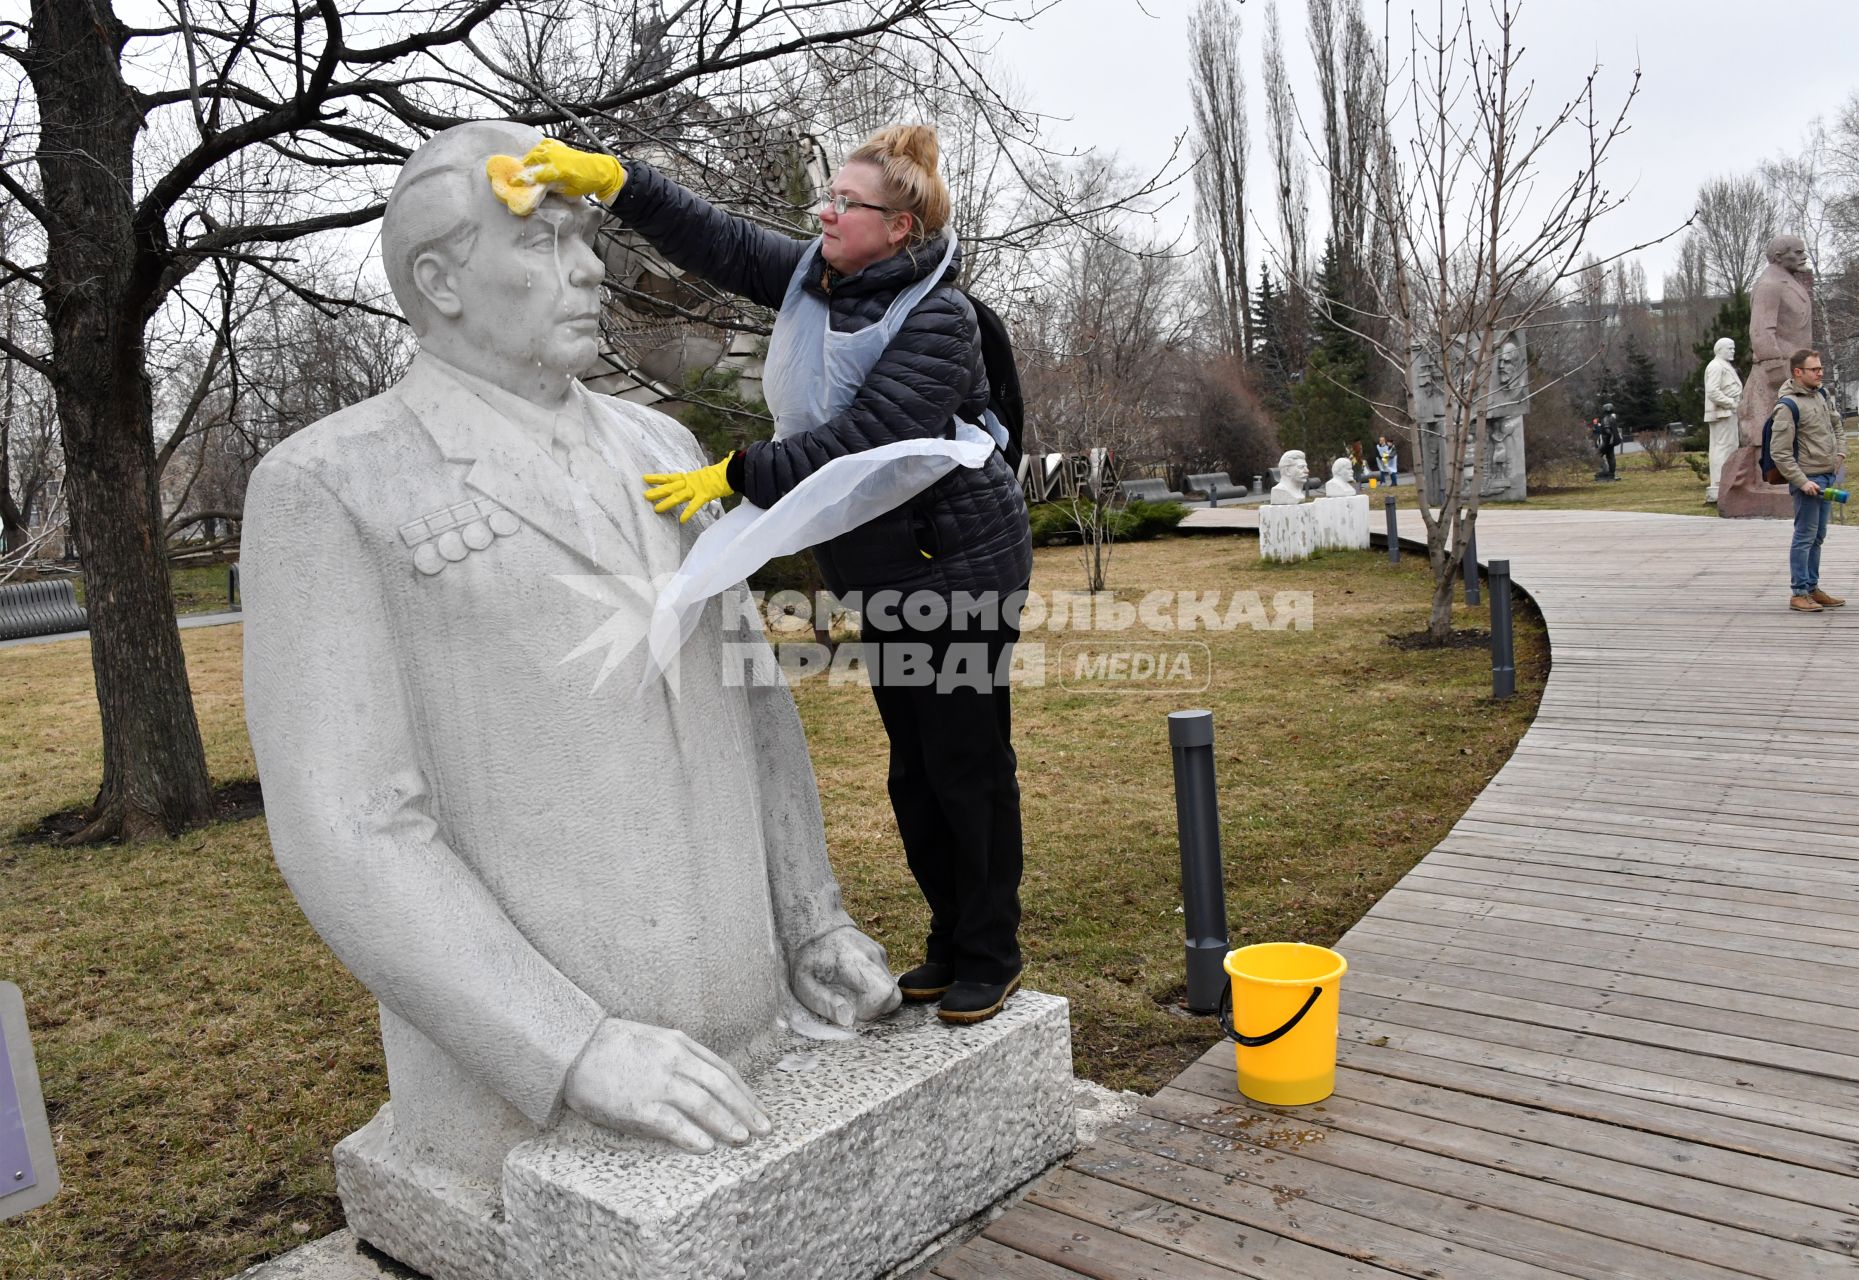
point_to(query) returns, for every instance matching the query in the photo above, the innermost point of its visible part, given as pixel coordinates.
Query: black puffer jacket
(972, 523)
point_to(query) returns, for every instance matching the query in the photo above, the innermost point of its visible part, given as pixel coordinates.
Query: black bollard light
(1394, 529)
(232, 586)
(1471, 565)
(1203, 886)
(1503, 655)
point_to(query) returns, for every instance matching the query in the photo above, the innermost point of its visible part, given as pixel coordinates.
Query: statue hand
(693, 488)
(562, 169)
(655, 1082)
(843, 977)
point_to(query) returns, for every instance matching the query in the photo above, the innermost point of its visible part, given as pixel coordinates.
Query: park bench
(1215, 485)
(1149, 491)
(40, 609)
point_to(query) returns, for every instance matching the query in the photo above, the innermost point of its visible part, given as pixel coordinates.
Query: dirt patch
(1457, 638)
(232, 802)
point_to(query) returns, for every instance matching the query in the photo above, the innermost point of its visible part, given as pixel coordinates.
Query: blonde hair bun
(908, 155)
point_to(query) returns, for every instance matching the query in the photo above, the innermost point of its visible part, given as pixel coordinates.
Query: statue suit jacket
(504, 847)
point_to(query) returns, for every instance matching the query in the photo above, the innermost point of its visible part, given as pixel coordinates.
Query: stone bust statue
(1293, 473)
(569, 893)
(1341, 483)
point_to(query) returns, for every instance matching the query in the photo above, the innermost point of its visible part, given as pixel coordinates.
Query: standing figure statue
(1723, 390)
(1606, 440)
(1781, 321)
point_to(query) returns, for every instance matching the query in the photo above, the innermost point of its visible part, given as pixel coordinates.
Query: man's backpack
(1003, 379)
(1770, 472)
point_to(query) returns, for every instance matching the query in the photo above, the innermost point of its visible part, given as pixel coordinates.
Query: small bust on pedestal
(1293, 471)
(1341, 483)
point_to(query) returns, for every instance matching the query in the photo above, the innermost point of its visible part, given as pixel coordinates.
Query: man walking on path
(1809, 450)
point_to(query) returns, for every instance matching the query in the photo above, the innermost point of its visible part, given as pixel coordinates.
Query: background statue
(568, 892)
(1723, 391)
(1341, 483)
(1781, 321)
(1293, 474)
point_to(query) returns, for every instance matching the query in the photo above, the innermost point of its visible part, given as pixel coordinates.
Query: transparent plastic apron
(811, 375)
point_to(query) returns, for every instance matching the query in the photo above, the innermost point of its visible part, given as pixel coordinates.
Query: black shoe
(927, 981)
(976, 1001)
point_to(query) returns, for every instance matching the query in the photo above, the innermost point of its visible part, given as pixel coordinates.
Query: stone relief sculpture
(1341, 483)
(582, 904)
(1781, 321)
(1293, 474)
(1506, 399)
(1723, 392)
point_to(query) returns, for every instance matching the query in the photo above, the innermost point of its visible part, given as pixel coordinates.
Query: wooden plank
(1249, 1250)
(1594, 1062)
(1738, 1175)
(1703, 882)
(1076, 1245)
(1455, 1202)
(985, 1259)
(1592, 1195)
(1423, 1249)
(1695, 1005)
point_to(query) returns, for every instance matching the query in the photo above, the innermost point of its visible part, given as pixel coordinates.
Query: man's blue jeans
(1810, 530)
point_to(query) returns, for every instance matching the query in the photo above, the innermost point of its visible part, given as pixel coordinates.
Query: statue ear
(432, 276)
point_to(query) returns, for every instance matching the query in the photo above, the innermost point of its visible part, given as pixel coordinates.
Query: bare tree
(1735, 221)
(1217, 85)
(1476, 242)
(1289, 183)
(1350, 76)
(234, 127)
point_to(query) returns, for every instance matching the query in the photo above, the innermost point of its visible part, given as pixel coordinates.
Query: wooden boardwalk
(1610, 1026)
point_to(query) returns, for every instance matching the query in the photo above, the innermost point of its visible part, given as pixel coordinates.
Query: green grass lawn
(196, 590)
(202, 1051)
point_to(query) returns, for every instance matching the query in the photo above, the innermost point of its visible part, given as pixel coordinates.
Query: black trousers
(953, 783)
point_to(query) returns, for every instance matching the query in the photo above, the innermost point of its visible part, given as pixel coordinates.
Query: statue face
(1725, 348)
(1507, 365)
(1342, 470)
(1293, 470)
(1788, 252)
(527, 291)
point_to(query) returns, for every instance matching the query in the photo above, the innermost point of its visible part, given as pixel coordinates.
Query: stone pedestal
(1342, 523)
(1287, 532)
(1741, 492)
(880, 1144)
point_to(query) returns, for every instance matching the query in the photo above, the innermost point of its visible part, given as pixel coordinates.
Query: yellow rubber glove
(693, 488)
(561, 168)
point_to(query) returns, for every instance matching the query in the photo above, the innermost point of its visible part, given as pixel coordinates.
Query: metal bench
(1149, 491)
(1215, 485)
(40, 609)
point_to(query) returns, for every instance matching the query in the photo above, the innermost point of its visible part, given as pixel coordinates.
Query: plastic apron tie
(812, 374)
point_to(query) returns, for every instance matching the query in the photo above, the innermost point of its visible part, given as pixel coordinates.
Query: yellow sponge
(521, 197)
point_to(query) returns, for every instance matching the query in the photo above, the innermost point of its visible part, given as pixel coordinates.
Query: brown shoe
(1824, 600)
(1804, 604)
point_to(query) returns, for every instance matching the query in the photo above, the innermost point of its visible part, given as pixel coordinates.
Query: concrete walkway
(184, 621)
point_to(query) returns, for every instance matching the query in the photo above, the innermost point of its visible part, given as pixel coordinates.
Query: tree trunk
(98, 278)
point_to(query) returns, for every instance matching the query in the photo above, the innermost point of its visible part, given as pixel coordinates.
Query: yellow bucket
(1284, 1001)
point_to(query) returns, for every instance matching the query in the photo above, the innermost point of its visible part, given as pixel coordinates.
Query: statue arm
(1765, 305)
(350, 812)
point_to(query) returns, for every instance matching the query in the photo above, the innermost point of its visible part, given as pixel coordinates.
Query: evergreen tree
(1272, 361)
(1638, 404)
(1329, 410)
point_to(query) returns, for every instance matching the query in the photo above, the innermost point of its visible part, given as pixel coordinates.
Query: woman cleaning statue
(874, 345)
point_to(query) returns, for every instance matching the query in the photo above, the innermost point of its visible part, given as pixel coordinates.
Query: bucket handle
(1256, 1042)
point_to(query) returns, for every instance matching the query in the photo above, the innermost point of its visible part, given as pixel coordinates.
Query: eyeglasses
(839, 203)
(1813, 368)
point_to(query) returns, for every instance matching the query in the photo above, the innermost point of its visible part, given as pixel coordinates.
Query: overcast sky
(1723, 88)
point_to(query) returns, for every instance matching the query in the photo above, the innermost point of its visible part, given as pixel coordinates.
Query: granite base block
(880, 1144)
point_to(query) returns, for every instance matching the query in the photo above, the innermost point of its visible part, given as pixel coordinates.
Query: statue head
(1607, 408)
(1509, 362)
(1342, 469)
(1724, 349)
(1788, 252)
(1292, 469)
(515, 300)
